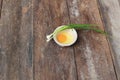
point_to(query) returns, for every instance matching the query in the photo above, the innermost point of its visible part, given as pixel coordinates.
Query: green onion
(75, 26)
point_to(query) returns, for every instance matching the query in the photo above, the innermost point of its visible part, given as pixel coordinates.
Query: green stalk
(76, 26)
(86, 27)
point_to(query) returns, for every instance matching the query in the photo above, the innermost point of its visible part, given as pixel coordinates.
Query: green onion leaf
(75, 26)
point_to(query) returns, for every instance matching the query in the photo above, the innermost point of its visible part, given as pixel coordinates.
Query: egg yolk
(65, 37)
(61, 38)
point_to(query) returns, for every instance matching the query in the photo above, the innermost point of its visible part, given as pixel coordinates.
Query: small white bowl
(74, 34)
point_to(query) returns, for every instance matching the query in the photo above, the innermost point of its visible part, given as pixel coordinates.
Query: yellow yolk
(64, 37)
(61, 38)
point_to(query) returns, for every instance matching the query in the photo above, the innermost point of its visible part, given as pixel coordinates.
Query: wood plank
(16, 33)
(0, 6)
(110, 10)
(92, 53)
(51, 61)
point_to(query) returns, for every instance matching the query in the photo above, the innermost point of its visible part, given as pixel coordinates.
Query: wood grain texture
(16, 40)
(51, 61)
(110, 10)
(25, 54)
(92, 53)
(0, 6)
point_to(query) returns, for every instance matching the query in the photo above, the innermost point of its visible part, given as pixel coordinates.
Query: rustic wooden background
(25, 54)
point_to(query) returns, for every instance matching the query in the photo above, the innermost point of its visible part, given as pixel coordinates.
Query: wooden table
(25, 54)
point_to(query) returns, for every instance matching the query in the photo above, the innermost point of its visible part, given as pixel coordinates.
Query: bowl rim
(61, 44)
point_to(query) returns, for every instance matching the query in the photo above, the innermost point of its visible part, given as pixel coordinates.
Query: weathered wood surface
(16, 40)
(0, 6)
(92, 54)
(25, 54)
(51, 61)
(110, 11)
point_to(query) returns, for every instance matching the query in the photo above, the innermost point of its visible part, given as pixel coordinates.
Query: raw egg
(66, 37)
